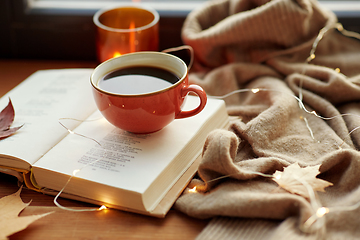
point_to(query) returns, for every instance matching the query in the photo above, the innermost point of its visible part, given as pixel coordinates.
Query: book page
(109, 156)
(39, 103)
(119, 157)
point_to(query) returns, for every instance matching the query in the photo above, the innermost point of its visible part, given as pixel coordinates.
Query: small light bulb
(313, 112)
(255, 90)
(340, 27)
(193, 190)
(322, 211)
(277, 175)
(76, 171)
(102, 208)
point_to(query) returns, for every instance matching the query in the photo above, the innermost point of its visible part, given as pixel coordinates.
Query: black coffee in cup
(137, 80)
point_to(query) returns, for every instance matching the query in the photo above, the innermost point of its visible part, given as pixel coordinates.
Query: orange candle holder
(125, 29)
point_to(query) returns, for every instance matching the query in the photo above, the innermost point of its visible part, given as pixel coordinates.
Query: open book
(139, 173)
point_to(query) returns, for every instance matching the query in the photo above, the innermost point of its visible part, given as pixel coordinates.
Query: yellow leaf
(10, 222)
(296, 180)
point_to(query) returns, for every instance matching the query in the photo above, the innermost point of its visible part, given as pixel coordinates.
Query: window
(164, 7)
(63, 29)
(175, 7)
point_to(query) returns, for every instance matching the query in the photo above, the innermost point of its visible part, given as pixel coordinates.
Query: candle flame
(116, 54)
(132, 37)
(132, 25)
(131, 41)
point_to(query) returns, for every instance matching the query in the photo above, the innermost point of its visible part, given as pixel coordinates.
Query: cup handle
(203, 99)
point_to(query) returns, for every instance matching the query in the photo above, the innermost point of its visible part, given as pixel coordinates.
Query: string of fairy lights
(316, 222)
(103, 207)
(185, 47)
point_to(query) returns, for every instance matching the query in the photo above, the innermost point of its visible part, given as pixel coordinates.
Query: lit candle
(125, 29)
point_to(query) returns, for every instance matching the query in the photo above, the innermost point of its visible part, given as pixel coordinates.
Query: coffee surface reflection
(137, 80)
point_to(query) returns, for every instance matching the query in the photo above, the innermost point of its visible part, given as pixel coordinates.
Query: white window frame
(173, 7)
(87, 7)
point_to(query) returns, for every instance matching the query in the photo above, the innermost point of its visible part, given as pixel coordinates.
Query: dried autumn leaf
(295, 179)
(10, 222)
(6, 119)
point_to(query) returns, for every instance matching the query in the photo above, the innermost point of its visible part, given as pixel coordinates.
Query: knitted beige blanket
(276, 49)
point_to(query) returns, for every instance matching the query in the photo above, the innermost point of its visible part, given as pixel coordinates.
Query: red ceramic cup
(149, 111)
